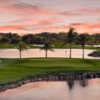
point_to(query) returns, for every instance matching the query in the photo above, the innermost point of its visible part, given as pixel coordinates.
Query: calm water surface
(62, 90)
(35, 53)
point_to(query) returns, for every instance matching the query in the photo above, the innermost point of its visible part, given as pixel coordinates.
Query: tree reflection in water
(82, 83)
(70, 84)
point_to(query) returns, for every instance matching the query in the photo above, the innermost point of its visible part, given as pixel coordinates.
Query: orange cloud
(29, 25)
(87, 28)
(11, 28)
(80, 28)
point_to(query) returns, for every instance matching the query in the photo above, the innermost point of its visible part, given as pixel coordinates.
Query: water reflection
(30, 53)
(83, 83)
(56, 90)
(70, 84)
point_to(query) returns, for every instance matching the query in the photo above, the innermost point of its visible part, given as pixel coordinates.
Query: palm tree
(46, 46)
(70, 38)
(21, 46)
(82, 40)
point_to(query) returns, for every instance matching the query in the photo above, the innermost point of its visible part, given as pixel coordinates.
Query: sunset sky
(33, 16)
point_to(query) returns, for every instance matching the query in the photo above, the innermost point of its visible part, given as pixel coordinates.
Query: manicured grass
(11, 70)
(7, 46)
(56, 45)
(61, 45)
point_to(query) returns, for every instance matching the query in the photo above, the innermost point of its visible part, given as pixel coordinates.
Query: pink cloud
(32, 17)
(69, 13)
(49, 21)
(83, 11)
(87, 28)
(11, 28)
(90, 11)
(26, 9)
(80, 28)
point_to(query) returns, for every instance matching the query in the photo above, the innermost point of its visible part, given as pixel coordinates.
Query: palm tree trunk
(66, 53)
(70, 53)
(20, 54)
(83, 55)
(46, 53)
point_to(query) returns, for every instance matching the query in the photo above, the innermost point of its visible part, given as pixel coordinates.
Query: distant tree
(4, 39)
(29, 39)
(83, 38)
(47, 46)
(70, 39)
(12, 37)
(15, 39)
(95, 39)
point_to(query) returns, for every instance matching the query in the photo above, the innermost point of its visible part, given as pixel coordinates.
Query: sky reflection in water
(65, 90)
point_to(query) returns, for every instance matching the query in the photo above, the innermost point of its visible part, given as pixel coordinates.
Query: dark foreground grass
(11, 70)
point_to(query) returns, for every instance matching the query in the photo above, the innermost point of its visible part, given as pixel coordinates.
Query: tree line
(14, 38)
(49, 39)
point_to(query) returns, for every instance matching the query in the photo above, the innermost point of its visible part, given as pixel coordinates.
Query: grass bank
(11, 70)
(56, 45)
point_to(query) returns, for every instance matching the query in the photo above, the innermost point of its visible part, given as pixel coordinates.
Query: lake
(37, 53)
(56, 90)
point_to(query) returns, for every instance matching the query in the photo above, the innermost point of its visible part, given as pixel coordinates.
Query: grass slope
(11, 70)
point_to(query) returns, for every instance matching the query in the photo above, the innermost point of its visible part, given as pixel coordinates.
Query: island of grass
(12, 70)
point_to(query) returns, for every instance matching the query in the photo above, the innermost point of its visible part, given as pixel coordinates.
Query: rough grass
(12, 70)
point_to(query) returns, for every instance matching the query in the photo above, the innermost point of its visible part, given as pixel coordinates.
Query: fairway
(12, 70)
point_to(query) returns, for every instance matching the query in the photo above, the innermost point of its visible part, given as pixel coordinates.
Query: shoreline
(51, 77)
